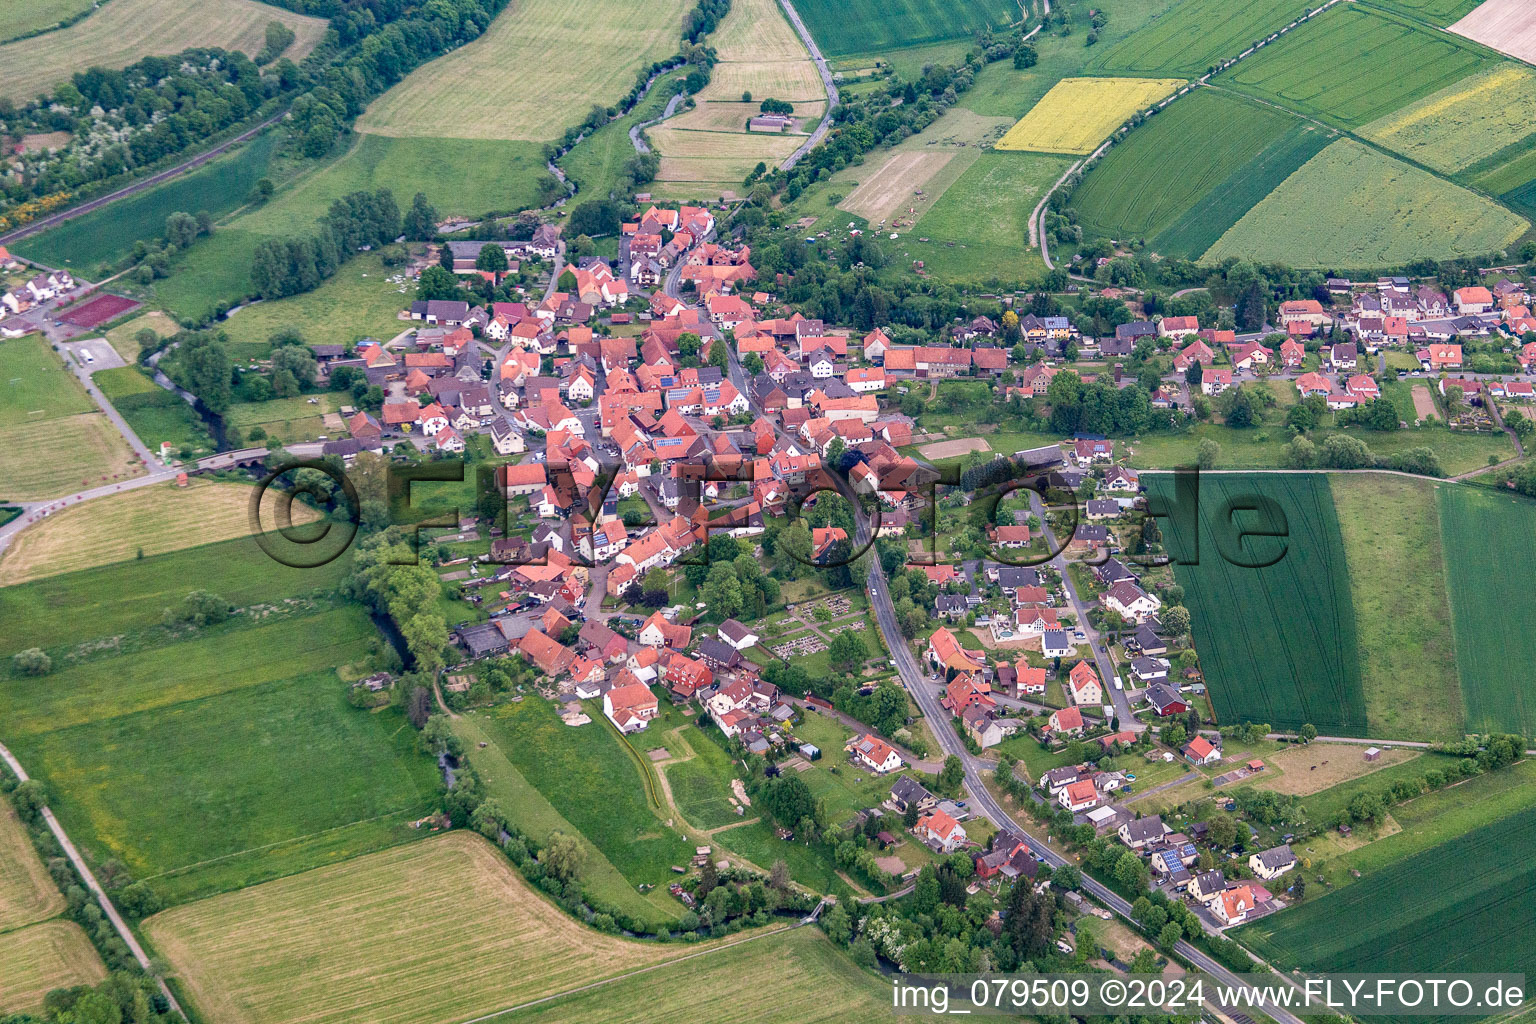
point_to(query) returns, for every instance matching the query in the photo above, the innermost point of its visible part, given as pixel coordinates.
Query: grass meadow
(1474, 893)
(581, 61)
(867, 26)
(124, 31)
(42, 957)
(52, 439)
(145, 521)
(431, 933)
(809, 980)
(1397, 577)
(1193, 36)
(597, 161)
(1396, 213)
(361, 290)
(564, 764)
(107, 235)
(979, 228)
(155, 414)
(37, 15)
(59, 612)
(1277, 642)
(1486, 536)
(214, 762)
(1079, 113)
(287, 419)
(122, 340)
(1351, 65)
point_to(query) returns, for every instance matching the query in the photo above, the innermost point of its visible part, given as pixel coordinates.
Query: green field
(27, 16)
(468, 177)
(287, 419)
(799, 976)
(154, 413)
(596, 162)
(1351, 65)
(1277, 643)
(1193, 170)
(1464, 123)
(1486, 536)
(1475, 894)
(216, 761)
(1351, 206)
(979, 228)
(60, 611)
(125, 31)
(594, 782)
(1439, 13)
(866, 26)
(1391, 529)
(1196, 34)
(34, 384)
(107, 235)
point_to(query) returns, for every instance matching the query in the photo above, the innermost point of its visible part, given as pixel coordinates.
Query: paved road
(826, 80)
(1095, 642)
(42, 223)
(94, 886)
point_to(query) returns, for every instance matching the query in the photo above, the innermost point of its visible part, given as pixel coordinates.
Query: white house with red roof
(1079, 796)
(875, 754)
(1361, 386)
(630, 707)
(1064, 722)
(941, 831)
(1199, 751)
(1473, 300)
(1233, 905)
(1083, 685)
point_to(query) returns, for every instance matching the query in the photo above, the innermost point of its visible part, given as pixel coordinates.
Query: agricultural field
(128, 596)
(1472, 892)
(125, 31)
(1304, 770)
(1277, 643)
(1503, 25)
(810, 982)
(1483, 531)
(1352, 65)
(866, 26)
(43, 957)
(1397, 577)
(374, 938)
(1193, 36)
(1397, 213)
(153, 413)
(1463, 123)
(979, 228)
(1079, 113)
(258, 717)
(138, 523)
(1191, 172)
(1439, 13)
(52, 439)
(761, 57)
(27, 892)
(107, 235)
(581, 61)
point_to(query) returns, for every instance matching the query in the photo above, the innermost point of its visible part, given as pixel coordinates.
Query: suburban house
(1143, 832)
(1064, 722)
(1078, 796)
(1165, 700)
(940, 831)
(1232, 906)
(630, 707)
(1207, 885)
(874, 753)
(908, 792)
(1084, 686)
(1272, 863)
(1199, 751)
(1127, 600)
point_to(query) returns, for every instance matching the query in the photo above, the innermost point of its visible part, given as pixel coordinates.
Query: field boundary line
(630, 974)
(267, 846)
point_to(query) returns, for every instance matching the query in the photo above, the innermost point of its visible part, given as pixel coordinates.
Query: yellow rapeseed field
(1079, 113)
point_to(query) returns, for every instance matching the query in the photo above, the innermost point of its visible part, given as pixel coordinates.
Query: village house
(1141, 833)
(1078, 796)
(908, 792)
(630, 707)
(1206, 886)
(1232, 906)
(874, 753)
(1199, 751)
(1272, 863)
(1083, 685)
(940, 831)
